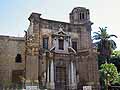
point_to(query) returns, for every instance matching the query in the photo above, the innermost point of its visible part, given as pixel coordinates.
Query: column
(52, 75)
(69, 75)
(47, 74)
(72, 73)
(73, 76)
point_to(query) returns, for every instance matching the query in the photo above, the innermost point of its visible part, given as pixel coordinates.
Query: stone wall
(85, 58)
(9, 48)
(87, 70)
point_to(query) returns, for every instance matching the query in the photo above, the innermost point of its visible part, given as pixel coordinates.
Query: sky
(14, 14)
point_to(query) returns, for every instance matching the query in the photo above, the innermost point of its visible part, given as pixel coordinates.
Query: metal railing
(13, 86)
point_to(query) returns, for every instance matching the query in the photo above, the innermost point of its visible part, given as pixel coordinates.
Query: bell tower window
(61, 44)
(80, 16)
(83, 16)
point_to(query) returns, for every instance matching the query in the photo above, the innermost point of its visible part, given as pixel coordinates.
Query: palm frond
(97, 33)
(113, 44)
(112, 35)
(96, 37)
(103, 29)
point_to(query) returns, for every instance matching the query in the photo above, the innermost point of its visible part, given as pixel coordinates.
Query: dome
(79, 9)
(79, 15)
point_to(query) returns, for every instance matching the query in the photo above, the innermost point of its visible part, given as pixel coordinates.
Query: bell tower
(79, 15)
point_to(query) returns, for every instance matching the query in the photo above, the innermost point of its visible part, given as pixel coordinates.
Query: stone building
(57, 54)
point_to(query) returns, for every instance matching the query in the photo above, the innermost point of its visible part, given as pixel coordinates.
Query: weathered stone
(36, 61)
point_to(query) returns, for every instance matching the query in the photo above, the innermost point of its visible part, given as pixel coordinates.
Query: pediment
(61, 32)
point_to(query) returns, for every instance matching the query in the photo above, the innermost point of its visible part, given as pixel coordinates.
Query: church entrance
(60, 82)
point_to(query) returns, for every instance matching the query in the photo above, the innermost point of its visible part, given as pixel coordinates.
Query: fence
(114, 88)
(66, 87)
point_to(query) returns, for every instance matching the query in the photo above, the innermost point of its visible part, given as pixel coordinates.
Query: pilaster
(52, 84)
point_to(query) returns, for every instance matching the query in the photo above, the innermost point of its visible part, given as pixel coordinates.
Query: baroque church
(57, 55)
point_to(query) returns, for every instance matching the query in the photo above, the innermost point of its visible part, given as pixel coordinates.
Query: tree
(115, 59)
(108, 74)
(117, 81)
(116, 53)
(105, 45)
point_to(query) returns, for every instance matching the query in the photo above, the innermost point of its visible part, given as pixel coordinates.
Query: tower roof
(79, 9)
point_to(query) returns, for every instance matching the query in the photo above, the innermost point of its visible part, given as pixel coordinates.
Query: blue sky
(14, 14)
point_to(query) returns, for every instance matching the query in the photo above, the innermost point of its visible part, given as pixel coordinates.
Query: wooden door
(17, 76)
(60, 82)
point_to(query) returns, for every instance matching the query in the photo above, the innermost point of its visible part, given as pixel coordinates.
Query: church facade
(58, 55)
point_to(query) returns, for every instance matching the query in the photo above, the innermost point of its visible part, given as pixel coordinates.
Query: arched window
(18, 58)
(45, 42)
(75, 16)
(80, 16)
(61, 44)
(74, 45)
(83, 16)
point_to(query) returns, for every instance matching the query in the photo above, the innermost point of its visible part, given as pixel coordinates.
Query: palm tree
(105, 45)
